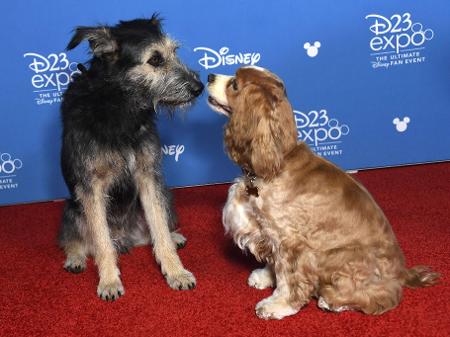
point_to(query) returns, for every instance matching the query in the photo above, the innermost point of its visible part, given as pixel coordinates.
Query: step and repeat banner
(369, 81)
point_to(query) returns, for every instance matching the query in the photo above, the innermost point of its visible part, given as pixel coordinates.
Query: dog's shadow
(235, 256)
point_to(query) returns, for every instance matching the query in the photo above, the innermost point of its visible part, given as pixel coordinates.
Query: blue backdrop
(369, 81)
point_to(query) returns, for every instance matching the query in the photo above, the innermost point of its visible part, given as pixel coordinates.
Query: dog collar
(250, 187)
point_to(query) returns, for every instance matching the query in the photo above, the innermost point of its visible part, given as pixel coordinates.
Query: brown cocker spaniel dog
(320, 233)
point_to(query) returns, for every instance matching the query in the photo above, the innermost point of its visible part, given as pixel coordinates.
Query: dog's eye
(156, 60)
(234, 84)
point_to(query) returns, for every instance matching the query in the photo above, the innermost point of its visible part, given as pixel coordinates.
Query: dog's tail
(419, 277)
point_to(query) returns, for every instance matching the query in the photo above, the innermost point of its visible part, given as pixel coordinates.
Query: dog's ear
(100, 40)
(274, 133)
(261, 129)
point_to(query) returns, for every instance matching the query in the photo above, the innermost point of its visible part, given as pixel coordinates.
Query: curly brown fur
(319, 231)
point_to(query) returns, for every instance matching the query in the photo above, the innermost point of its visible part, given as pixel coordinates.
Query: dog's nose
(211, 78)
(197, 88)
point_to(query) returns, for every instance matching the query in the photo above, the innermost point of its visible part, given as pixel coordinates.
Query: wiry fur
(111, 153)
(319, 231)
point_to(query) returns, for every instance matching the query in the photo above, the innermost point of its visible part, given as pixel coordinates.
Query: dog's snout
(211, 78)
(197, 88)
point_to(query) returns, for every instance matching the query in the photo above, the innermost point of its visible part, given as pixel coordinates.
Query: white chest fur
(237, 216)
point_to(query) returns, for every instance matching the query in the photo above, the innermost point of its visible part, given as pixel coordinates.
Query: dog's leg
(154, 203)
(140, 236)
(293, 291)
(94, 205)
(237, 221)
(261, 278)
(178, 239)
(279, 304)
(76, 256)
(71, 238)
(355, 289)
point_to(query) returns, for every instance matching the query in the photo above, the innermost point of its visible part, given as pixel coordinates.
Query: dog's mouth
(172, 106)
(177, 104)
(225, 109)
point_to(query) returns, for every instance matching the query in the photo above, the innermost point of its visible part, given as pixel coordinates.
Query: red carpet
(38, 298)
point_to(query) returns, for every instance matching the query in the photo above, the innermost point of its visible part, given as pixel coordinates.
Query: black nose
(211, 78)
(197, 88)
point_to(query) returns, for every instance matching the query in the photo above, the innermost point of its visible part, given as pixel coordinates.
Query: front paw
(274, 308)
(75, 264)
(178, 239)
(110, 291)
(261, 279)
(181, 281)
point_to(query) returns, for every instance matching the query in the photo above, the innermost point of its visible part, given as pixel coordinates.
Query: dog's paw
(274, 308)
(322, 304)
(75, 264)
(110, 291)
(182, 281)
(261, 279)
(178, 239)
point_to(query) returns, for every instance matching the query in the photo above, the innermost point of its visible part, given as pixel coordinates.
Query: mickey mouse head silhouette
(312, 50)
(8, 165)
(401, 126)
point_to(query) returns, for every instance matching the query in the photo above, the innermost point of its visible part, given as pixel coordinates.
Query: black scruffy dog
(111, 153)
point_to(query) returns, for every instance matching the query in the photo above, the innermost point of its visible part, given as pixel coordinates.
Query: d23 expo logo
(323, 134)
(213, 59)
(8, 168)
(397, 40)
(51, 74)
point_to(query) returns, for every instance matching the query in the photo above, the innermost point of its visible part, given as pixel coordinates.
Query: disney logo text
(213, 59)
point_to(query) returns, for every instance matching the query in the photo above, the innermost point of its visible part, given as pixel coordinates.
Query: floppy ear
(274, 136)
(266, 154)
(100, 40)
(261, 130)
